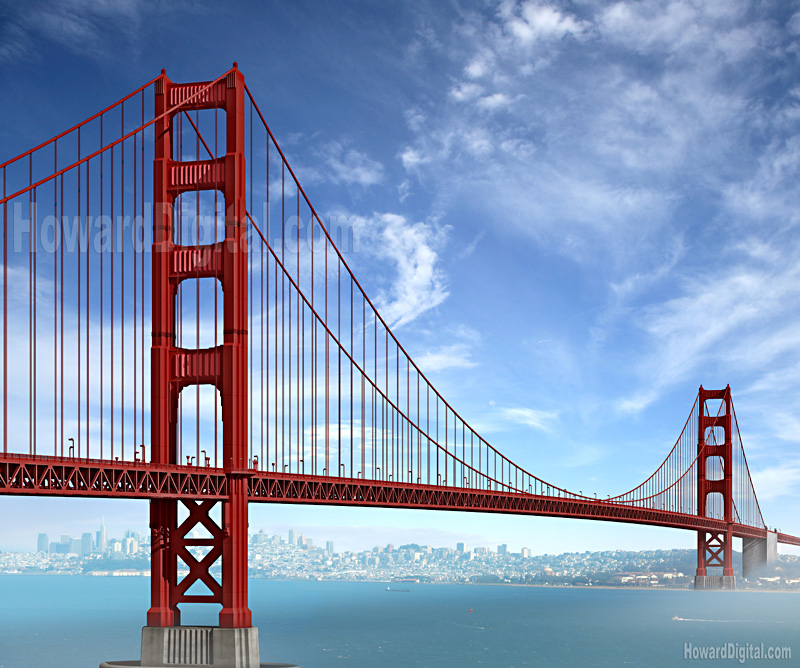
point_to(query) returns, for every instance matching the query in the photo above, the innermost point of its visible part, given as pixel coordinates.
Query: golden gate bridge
(180, 326)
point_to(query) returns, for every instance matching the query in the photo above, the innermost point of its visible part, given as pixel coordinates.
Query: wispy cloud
(722, 320)
(454, 356)
(350, 166)
(777, 481)
(530, 417)
(616, 136)
(532, 21)
(85, 27)
(411, 249)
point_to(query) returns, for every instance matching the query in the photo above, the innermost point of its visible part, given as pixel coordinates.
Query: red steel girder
(52, 476)
(55, 476)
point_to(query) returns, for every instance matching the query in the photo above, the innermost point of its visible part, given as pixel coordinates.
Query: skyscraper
(43, 544)
(502, 549)
(329, 547)
(292, 537)
(102, 542)
(86, 544)
(459, 547)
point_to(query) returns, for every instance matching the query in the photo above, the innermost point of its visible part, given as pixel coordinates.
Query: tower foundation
(758, 554)
(212, 646)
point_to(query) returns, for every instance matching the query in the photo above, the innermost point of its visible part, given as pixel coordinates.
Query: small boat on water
(400, 590)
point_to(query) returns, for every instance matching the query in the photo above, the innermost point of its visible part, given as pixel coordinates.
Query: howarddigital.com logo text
(736, 652)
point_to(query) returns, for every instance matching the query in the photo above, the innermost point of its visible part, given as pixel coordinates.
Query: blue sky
(575, 213)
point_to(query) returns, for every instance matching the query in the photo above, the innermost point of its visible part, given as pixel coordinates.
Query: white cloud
(350, 166)
(494, 101)
(645, 149)
(86, 27)
(454, 356)
(535, 21)
(466, 92)
(530, 417)
(477, 68)
(413, 250)
(776, 481)
(412, 158)
(722, 321)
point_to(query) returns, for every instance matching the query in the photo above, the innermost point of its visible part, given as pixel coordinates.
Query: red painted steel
(55, 476)
(715, 548)
(225, 367)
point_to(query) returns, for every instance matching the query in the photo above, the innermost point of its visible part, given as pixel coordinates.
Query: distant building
(329, 547)
(135, 535)
(66, 539)
(260, 538)
(130, 545)
(87, 544)
(526, 553)
(460, 547)
(75, 546)
(292, 537)
(102, 540)
(43, 544)
(502, 549)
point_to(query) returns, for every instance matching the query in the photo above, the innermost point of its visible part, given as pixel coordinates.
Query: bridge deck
(40, 475)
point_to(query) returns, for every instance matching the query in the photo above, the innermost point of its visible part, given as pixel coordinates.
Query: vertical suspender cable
(5, 317)
(78, 305)
(339, 362)
(261, 460)
(141, 273)
(88, 227)
(111, 296)
(122, 288)
(102, 291)
(265, 334)
(250, 301)
(55, 304)
(61, 252)
(197, 290)
(283, 339)
(31, 448)
(217, 392)
(135, 295)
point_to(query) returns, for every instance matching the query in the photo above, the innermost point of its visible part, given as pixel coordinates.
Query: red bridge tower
(715, 548)
(235, 642)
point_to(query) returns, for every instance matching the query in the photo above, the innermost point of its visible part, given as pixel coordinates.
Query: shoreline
(411, 584)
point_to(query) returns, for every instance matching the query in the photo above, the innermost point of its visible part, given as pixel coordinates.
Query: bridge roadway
(41, 475)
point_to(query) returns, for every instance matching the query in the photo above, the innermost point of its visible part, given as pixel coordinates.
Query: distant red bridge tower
(715, 548)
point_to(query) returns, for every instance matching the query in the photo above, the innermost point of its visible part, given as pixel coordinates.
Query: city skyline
(295, 556)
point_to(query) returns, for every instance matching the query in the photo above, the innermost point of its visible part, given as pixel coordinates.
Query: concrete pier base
(210, 646)
(714, 582)
(759, 554)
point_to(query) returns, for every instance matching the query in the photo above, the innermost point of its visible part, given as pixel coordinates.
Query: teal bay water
(77, 622)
